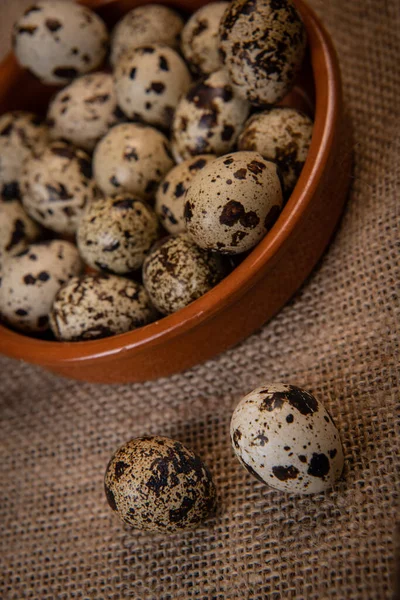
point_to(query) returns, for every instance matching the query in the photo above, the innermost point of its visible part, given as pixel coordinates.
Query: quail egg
(233, 202)
(287, 439)
(56, 186)
(84, 111)
(153, 23)
(170, 196)
(31, 280)
(21, 134)
(199, 38)
(176, 272)
(96, 306)
(282, 135)
(149, 81)
(209, 118)
(157, 484)
(132, 157)
(116, 233)
(17, 230)
(262, 44)
(58, 40)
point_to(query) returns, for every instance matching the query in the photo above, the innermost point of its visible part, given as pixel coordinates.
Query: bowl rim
(327, 105)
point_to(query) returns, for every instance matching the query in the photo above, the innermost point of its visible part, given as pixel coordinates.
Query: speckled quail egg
(157, 484)
(31, 280)
(84, 111)
(233, 202)
(132, 157)
(199, 38)
(282, 135)
(58, 40)
(148, 24)
(116, 233)
(262, 44)
(96, 306)
(21, 135)
(149, 80)
(56, 186)
(287, 439)
(17, 230)
(176, 272)
(170, 196)
(209, 118)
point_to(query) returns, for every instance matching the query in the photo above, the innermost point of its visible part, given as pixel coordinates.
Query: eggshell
(282, 135)
(132, 158)
(115, 234)
(176, 272)
(170, 196)
(84, 111)
(21, 135)
(262, 44)
(17, 229)
(149, 81)
(96, 306)
(200, 37)
(233, 202)
(31, 280)
(157, 484)
(58, 40)
(286, 438)
(208, 118)
(56, 185)
(153, 23)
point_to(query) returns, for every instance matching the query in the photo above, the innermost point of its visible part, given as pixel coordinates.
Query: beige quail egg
(282, 135)
(149, 81)
(17, 230)
(170, 196)
(262, 44)
(132, 157)
(31, 280)
(233, 202)
(176, 272)
(84, 111)
(56, 186)
(58, 40)
(157, 484)
(21, 135)
(116, 233)
(96, 306)
(142, 25)
(209, 118)
(287, 439)
(199, 38)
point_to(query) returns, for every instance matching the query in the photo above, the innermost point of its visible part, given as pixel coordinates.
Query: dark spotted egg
(115, 233)
(200, 38)
(157, 484)
(208, 118)
(149, 81)
(177, 272)
(100, 305)
(17, 229)
(132, 157)
(56, 185)
(58, 40)
(287, 439)
(31, 280)
(170, 196)
(233, 202)
(84, 111)
(262, 44)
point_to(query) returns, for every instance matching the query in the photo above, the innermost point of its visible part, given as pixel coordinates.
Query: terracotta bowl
(256, 290)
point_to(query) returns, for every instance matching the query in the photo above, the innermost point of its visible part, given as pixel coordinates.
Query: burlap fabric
(338, 338)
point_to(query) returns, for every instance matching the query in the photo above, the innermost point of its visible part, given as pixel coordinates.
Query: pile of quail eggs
(164, 153)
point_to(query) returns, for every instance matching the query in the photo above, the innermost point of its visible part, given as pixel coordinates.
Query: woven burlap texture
(338, 338)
